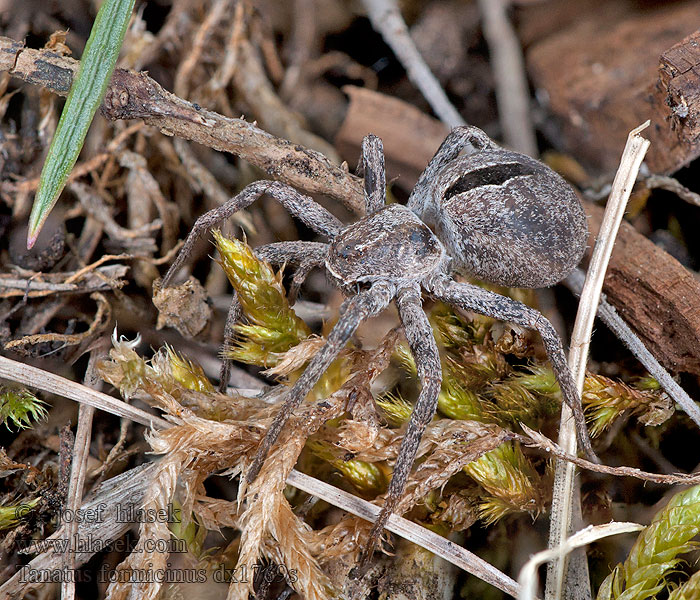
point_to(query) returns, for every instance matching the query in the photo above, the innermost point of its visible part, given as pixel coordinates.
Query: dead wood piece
(251, 81)
(679, 88)
(655, 294)
(132, 95)
(600, 91)
(538, 19)
(136, 96)
(410, 136)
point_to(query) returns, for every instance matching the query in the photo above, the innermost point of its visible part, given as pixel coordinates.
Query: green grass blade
(86, 94)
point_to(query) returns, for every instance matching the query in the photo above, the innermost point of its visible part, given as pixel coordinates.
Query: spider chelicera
(498, 215)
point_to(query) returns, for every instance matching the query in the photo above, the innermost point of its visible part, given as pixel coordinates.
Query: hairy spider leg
(354, 310)
(372, 167)
(473, 298)
(303, 207)
(421, 340)
(304, 255)
(232, 317)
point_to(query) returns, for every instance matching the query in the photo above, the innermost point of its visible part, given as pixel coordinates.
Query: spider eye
(491, 175)
(346, 250)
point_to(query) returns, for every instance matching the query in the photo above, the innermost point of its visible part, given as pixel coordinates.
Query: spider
(477, 209)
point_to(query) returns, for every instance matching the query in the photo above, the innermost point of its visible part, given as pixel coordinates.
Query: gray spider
(498, 215)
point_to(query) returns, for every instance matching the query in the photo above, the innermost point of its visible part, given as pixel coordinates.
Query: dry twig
(137, 96)
(671, 184)
(512, 93)
(387, 20)
(81, 451)
(563, 497)
(609, 316)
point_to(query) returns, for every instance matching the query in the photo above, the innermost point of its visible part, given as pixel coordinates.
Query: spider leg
(372, 167)
(305, 254)
(354, 310)
(422, 342)
(293, 253)
(484, 302)
(303, 207)
(232, 317)
(460, 138)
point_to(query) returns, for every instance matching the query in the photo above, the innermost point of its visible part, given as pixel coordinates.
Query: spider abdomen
(508, 219)
(391, 245)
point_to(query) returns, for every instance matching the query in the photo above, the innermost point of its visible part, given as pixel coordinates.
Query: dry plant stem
(129, 487)
(444, 548)
(207, 183)
(81, 169)
(303, 34)
(563, 490)
(537, 440)
(81, 450)
(184, 73)
(609, 316)
(96, 207)
(387, 20)
(415, 533)
(136, 96)
(512, 93)
(101, 280)
(528, 574)
(54, 384)
(251, 81)
(102, 316)
(671, 184)
(224, 73)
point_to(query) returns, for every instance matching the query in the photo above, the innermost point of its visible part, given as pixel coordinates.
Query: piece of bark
(658, 297)
(679, 86)
(540, 19)
(603, 78)
(410, 136)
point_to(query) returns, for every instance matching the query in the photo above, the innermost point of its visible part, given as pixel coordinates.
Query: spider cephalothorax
(497, 215)
(391, 245)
